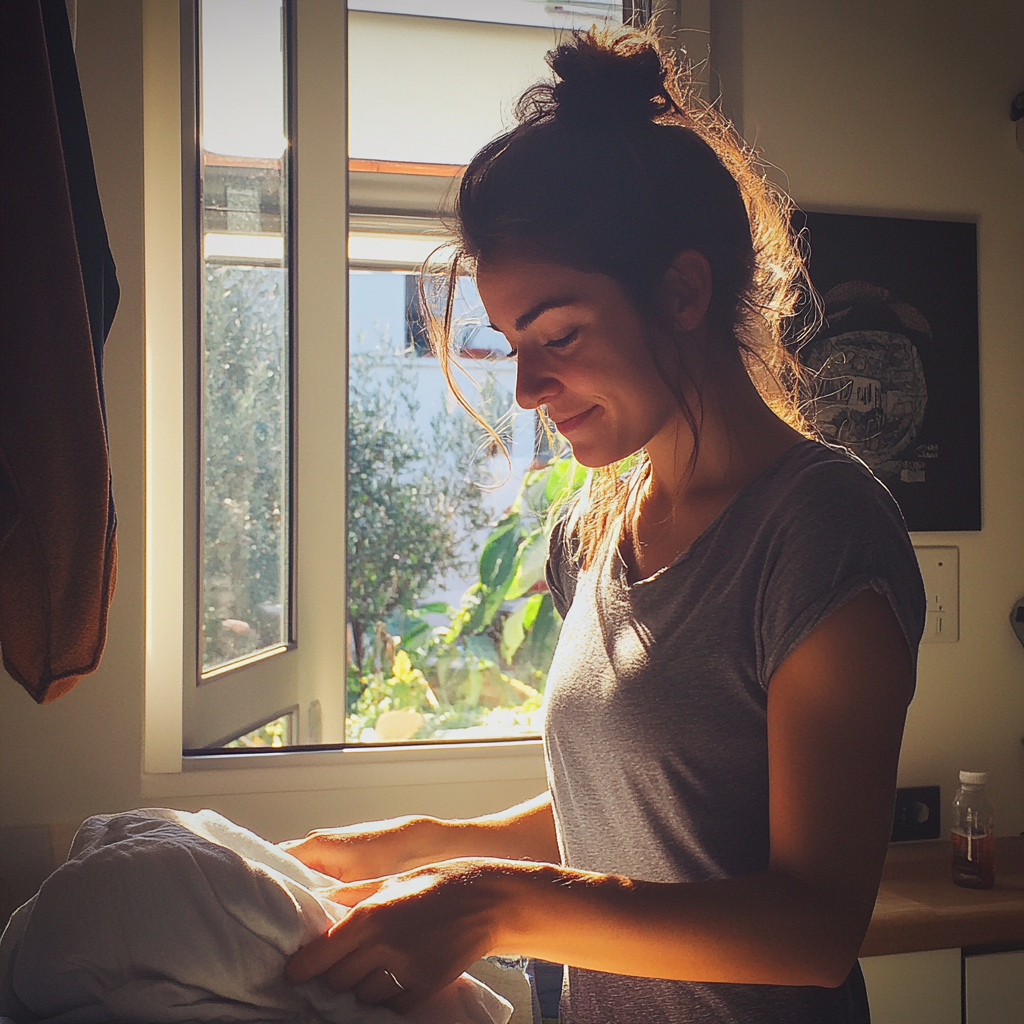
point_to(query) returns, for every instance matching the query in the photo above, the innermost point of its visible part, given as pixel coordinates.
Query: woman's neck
(739, 437)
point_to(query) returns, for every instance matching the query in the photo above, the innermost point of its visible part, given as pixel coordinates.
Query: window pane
(278, 733)
(245, 318)
(450, 626)
(451, 629)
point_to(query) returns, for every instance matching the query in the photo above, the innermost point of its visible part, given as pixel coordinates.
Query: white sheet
(164, 917)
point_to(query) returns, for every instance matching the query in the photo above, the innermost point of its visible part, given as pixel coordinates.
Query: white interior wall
(870, 107)
(903, 110)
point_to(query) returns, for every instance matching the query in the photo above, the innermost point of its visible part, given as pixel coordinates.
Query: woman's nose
(534, 386)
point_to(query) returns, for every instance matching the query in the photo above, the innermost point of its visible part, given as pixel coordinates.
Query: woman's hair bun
(609, 76)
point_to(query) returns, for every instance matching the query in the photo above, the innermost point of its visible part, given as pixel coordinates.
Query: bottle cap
(974, 778)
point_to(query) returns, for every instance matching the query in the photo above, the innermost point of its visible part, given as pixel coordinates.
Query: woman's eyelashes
(562, 342)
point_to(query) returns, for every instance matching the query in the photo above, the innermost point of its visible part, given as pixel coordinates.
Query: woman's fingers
(317, 956)
(366, 850)
(359, 970)
(379, 986)
(348, 894)
(424, 927)
(313, 853)
(351, 971)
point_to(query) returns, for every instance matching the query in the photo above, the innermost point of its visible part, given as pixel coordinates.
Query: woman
(742, 604)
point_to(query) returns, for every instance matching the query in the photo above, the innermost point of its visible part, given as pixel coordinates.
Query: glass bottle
(973, 834)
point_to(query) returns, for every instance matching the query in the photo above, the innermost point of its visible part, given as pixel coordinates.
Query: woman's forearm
(523, 832)
(761, 929)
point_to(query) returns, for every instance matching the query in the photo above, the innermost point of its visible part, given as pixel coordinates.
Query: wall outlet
(917, 814)
(940, 569)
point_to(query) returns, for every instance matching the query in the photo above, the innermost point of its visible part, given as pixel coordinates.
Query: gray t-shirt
(655, 728)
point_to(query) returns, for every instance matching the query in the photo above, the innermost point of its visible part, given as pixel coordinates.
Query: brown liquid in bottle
(974, 859)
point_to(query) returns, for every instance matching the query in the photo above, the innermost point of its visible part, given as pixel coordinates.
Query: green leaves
(565, 477)
(498, 558)
(410, 504)
(491, 658)
(517, 625)
(244, 403)
(531, 558)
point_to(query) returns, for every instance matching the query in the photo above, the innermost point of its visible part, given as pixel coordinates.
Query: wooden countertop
(919, 907)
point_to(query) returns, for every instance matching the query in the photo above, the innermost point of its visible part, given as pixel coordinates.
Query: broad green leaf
(533, 553)
(531, 610)
(534, 486)
(565, 477)
(474, 615)
(498, 556)
(436, 607)
(539, 646)
(513, 632)
(493, 600)
(413, 630)
(476, 682)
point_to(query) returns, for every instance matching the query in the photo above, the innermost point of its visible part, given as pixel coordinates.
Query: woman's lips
(564, 426)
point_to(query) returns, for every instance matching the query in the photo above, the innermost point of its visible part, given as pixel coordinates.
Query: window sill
(351, 768)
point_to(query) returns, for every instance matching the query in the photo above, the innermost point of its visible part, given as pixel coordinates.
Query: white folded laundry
(165, 917)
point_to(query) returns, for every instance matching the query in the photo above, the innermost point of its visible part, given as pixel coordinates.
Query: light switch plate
(940, 568)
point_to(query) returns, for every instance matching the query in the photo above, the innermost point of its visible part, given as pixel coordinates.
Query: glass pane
(278, 733)
(245, 333)
(451, 629)
(450, 626)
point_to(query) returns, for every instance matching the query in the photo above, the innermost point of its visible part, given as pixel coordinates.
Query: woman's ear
(686, 290)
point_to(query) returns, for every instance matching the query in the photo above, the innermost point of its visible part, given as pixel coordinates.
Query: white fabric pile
(163, 917)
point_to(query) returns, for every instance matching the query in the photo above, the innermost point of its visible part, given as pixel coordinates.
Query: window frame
(173, 465)
(211, 702)
(191, 147)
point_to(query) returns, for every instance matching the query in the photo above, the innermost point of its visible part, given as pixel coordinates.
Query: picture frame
(894, 365)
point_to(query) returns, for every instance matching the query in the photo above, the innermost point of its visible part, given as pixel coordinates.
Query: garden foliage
(484, 667)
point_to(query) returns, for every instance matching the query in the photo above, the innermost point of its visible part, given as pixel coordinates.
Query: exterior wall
(468, 75)
(870, 107)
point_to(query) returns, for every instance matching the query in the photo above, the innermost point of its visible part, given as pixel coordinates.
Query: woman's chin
(593, 456)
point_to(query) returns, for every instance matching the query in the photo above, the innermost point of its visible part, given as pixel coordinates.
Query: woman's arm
(836, 710)
(376, 848)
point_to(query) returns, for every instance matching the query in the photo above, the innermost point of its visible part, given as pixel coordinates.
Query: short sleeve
(560, 571)
(841, 533)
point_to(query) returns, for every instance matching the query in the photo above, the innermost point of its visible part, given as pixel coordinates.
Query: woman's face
(583, 353)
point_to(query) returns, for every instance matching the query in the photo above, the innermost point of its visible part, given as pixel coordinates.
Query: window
(370, 566)
(245, 298)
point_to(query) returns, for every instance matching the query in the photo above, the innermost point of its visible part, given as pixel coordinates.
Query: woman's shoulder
(823, 480)
(830, 528)
(820, 514)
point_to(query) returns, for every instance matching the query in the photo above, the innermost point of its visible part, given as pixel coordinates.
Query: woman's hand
(372, 849)
(409, 935)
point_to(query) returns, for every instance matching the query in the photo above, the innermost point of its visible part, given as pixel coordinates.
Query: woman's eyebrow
(531, 314)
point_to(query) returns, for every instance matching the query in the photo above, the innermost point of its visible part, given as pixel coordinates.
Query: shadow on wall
(28, 855)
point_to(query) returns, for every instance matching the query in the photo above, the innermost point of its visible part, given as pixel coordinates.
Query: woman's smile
(571, 423)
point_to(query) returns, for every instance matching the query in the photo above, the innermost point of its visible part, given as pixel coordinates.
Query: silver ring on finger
(387, 974)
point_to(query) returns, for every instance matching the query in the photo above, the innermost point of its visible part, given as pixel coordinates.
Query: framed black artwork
(894, 365)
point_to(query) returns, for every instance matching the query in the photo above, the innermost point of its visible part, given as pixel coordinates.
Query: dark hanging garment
(59, 295)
